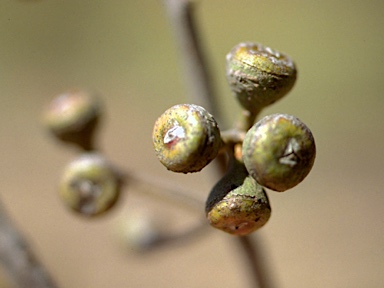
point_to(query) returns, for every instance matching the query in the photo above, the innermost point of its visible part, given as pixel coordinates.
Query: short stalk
(246, 120)
(165, 191)
(252, 251)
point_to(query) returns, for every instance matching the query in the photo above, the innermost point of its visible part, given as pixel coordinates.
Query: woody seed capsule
(279, 151)
(186, 138)
(258, 75)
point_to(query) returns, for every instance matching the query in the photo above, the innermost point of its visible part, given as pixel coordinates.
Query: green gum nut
(186, 138)
(279, 151)
(89, 185)
(258, 75)
(237, 204)
(73, 116)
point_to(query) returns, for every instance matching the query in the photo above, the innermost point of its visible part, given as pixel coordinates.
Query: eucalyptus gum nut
(89, 185)
(279, 151)
(72, 116)
(186, 138)
(237, 204)
(140, 230)
(258, 75)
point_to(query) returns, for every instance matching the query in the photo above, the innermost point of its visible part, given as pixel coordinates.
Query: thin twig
(199, 84)
(193, 60)
(171, 193)
(18, 259)
(163, 189)
(170, 239)
(253, 253)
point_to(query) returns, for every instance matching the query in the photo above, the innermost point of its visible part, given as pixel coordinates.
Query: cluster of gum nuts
(276, 152)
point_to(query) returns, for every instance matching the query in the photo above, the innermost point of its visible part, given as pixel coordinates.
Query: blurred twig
(193, 60)
(253, 253)
(18, 259)
(171, 193)
(166, 191)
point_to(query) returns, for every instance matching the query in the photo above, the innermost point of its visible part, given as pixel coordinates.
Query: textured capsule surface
(186, 138)
(89, 185)
(279, 151)
(259, 75)
(237, 204)
(242, 211)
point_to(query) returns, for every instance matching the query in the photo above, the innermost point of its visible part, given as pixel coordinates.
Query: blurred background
(326, 232)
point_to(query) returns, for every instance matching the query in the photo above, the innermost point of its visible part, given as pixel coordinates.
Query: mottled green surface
(279, 151)
(242, 211)
(237, 204)
(258, 75)
(186, 138)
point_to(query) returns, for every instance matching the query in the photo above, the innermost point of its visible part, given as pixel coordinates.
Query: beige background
(326, 232)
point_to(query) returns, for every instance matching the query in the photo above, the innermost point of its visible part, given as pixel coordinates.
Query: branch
(160, 188)
(193, 61)
(253, 254)
(18, 259)
(199, 85)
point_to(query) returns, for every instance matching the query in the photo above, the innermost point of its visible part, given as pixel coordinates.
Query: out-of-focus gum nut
(89, 185)
(140, 230)
(72, 116)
